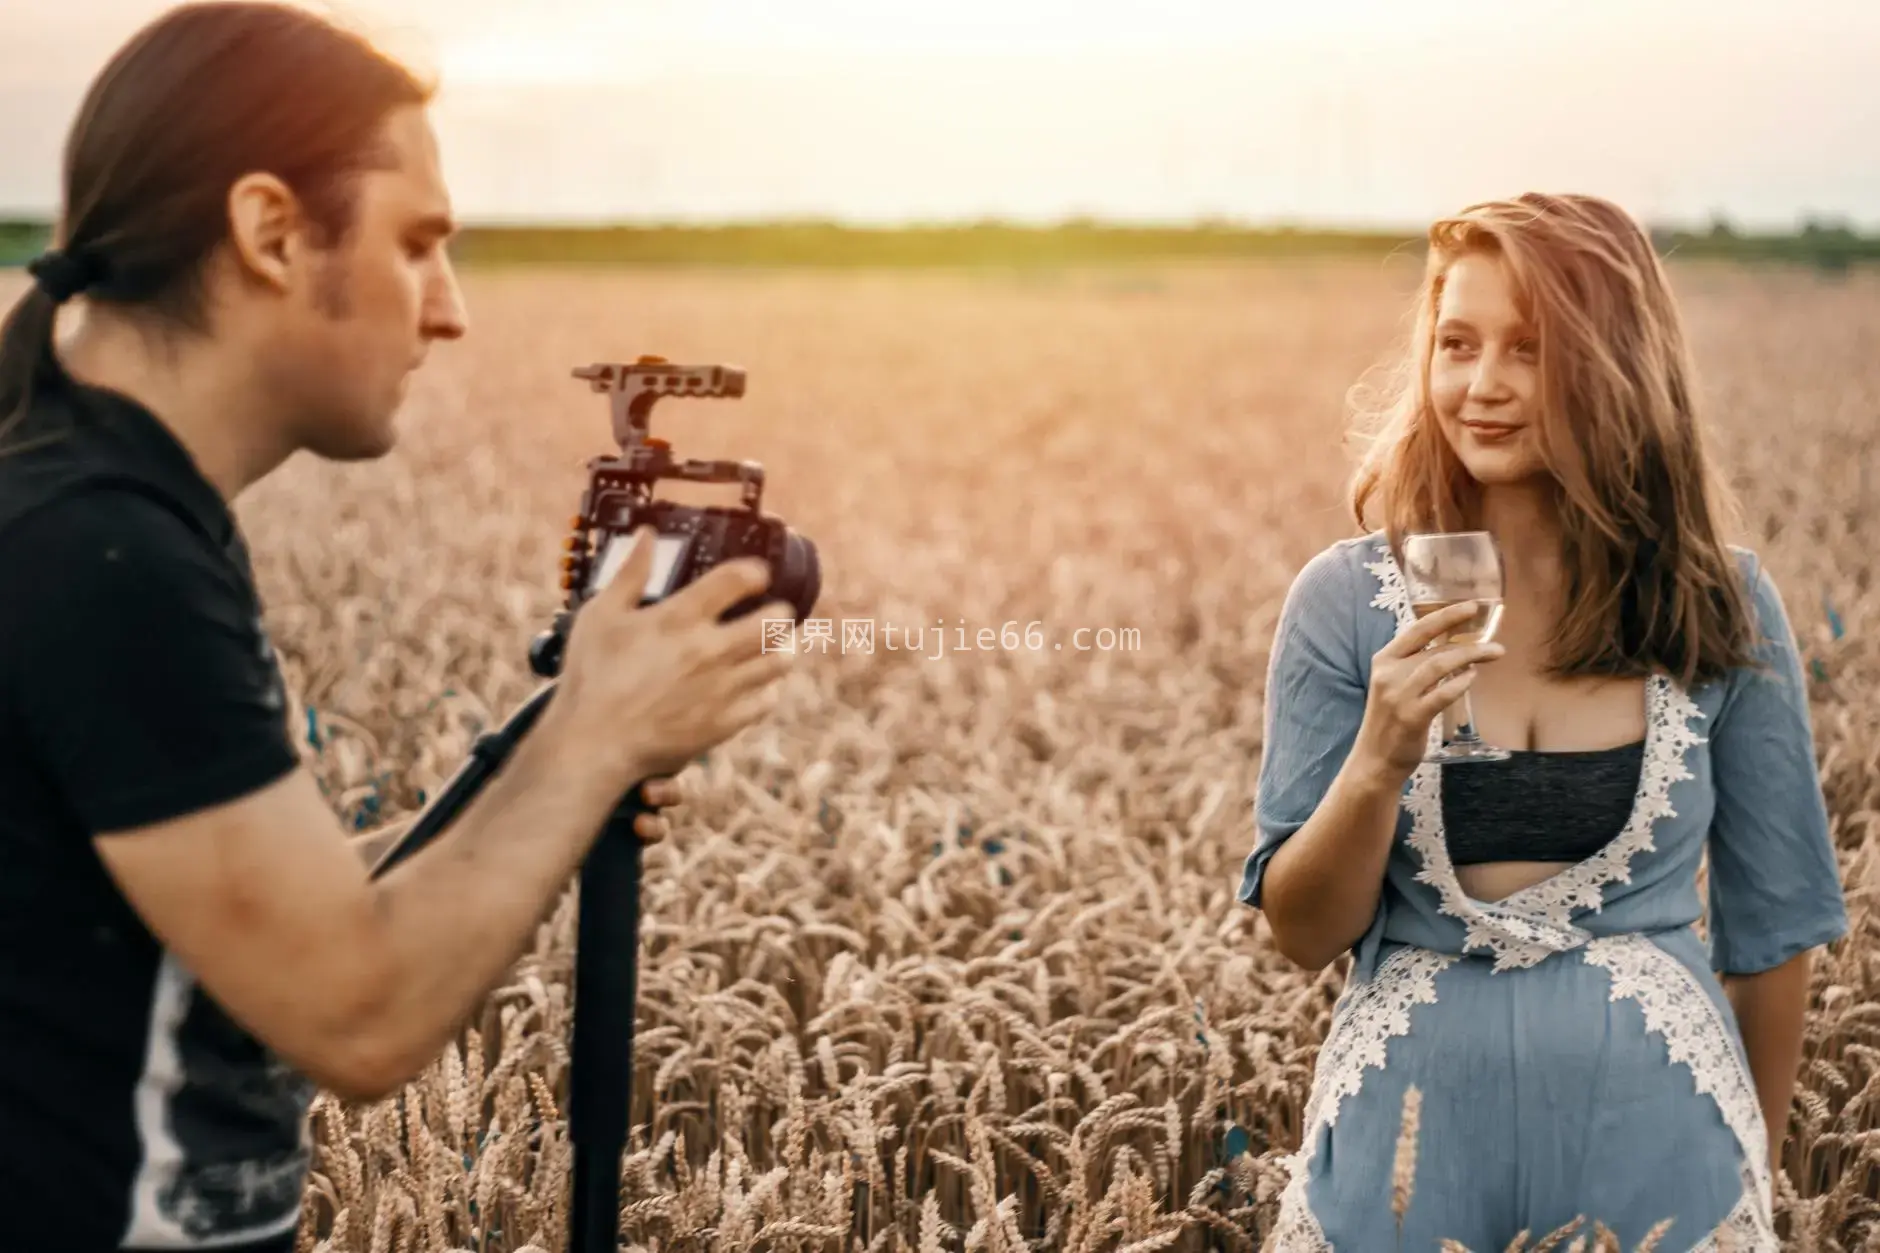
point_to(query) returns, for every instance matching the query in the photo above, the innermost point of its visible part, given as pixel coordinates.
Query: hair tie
(62, 274)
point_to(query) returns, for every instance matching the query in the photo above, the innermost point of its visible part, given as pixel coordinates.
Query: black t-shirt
(136, 684)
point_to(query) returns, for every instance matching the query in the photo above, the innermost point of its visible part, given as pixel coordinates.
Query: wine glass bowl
(1444, 568)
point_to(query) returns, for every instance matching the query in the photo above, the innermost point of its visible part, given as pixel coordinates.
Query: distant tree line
(1826, 244)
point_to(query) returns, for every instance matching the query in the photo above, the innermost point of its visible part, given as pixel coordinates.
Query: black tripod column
(606, 991)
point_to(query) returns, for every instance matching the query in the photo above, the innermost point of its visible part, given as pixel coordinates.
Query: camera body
(689, 539)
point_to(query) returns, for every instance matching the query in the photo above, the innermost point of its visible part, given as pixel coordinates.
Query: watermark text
(864, 635)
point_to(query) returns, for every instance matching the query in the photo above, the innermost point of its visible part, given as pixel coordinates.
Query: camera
(688, 539)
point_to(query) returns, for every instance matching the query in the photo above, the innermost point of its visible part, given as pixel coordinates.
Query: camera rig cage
(691, 539)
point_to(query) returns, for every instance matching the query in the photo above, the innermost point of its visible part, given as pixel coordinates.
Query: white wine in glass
(1446, 568)
(1477, 630)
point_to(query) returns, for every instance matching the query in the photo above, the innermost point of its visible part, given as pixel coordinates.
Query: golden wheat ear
(1404, 1169)
(1652, 1238)
(1552, 1239)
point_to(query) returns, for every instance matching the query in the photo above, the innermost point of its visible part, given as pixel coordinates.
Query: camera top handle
(634, 389)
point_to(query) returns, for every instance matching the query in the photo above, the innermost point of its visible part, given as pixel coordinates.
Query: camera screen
(666, 551)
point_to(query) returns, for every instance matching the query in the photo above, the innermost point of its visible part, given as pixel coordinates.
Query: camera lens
(795, 577)
(798, 574)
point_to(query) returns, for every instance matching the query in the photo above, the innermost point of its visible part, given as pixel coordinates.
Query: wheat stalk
(1404, 1169)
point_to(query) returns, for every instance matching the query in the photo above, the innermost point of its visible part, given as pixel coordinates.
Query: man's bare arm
(358, 983)
(371, 845)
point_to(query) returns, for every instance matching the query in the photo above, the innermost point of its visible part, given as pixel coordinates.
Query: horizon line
(1828, 220)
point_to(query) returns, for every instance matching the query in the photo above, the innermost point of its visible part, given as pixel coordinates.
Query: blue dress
(1574, 1049)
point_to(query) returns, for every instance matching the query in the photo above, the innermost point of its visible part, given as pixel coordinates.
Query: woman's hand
(1411, 683)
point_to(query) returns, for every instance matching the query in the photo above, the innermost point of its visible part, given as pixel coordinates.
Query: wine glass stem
(1465, 722)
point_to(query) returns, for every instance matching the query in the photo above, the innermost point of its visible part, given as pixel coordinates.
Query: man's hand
(645, 689)
(662, 794)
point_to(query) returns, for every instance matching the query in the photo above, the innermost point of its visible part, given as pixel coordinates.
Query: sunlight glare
(507, 58)
(587, 41)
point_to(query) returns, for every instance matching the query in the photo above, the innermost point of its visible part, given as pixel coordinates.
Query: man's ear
(265, 229)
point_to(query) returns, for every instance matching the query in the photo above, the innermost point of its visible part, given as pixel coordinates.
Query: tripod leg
(606, 979)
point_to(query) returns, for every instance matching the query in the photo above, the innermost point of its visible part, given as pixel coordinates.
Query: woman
(1523, 930)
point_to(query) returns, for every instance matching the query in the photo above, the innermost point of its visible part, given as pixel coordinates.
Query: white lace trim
(1747, 1233)
(1677, 1008)
(1367, 1018)
(1537, 922)
(1668, 737)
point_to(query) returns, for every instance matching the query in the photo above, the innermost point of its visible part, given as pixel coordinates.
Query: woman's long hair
(1651, 583)
(202, 95)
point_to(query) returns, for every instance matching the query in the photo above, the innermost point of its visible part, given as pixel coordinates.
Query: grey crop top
(1539, 806)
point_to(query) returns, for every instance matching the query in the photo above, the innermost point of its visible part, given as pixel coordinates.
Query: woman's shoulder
(1763, 596)
(1348, 577)
(1749, 563)
(1363, 562)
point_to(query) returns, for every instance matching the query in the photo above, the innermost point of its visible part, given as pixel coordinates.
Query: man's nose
(445, 316)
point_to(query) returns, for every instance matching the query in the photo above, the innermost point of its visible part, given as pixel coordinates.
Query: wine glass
(1442, 569)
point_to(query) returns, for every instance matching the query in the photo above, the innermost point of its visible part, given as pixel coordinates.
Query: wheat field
(946, 957)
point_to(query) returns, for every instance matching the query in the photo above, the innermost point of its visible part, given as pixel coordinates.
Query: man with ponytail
(253, 228)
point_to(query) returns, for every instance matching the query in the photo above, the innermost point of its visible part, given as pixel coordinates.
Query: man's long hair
(1651, 583)
(201, 96)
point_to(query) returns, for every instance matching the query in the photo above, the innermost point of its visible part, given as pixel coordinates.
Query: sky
(1342, 112)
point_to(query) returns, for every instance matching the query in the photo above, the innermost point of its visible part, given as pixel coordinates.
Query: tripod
(606, 974)
(618, 501)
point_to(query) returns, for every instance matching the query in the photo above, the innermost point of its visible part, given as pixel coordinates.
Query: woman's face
(1485, 374)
